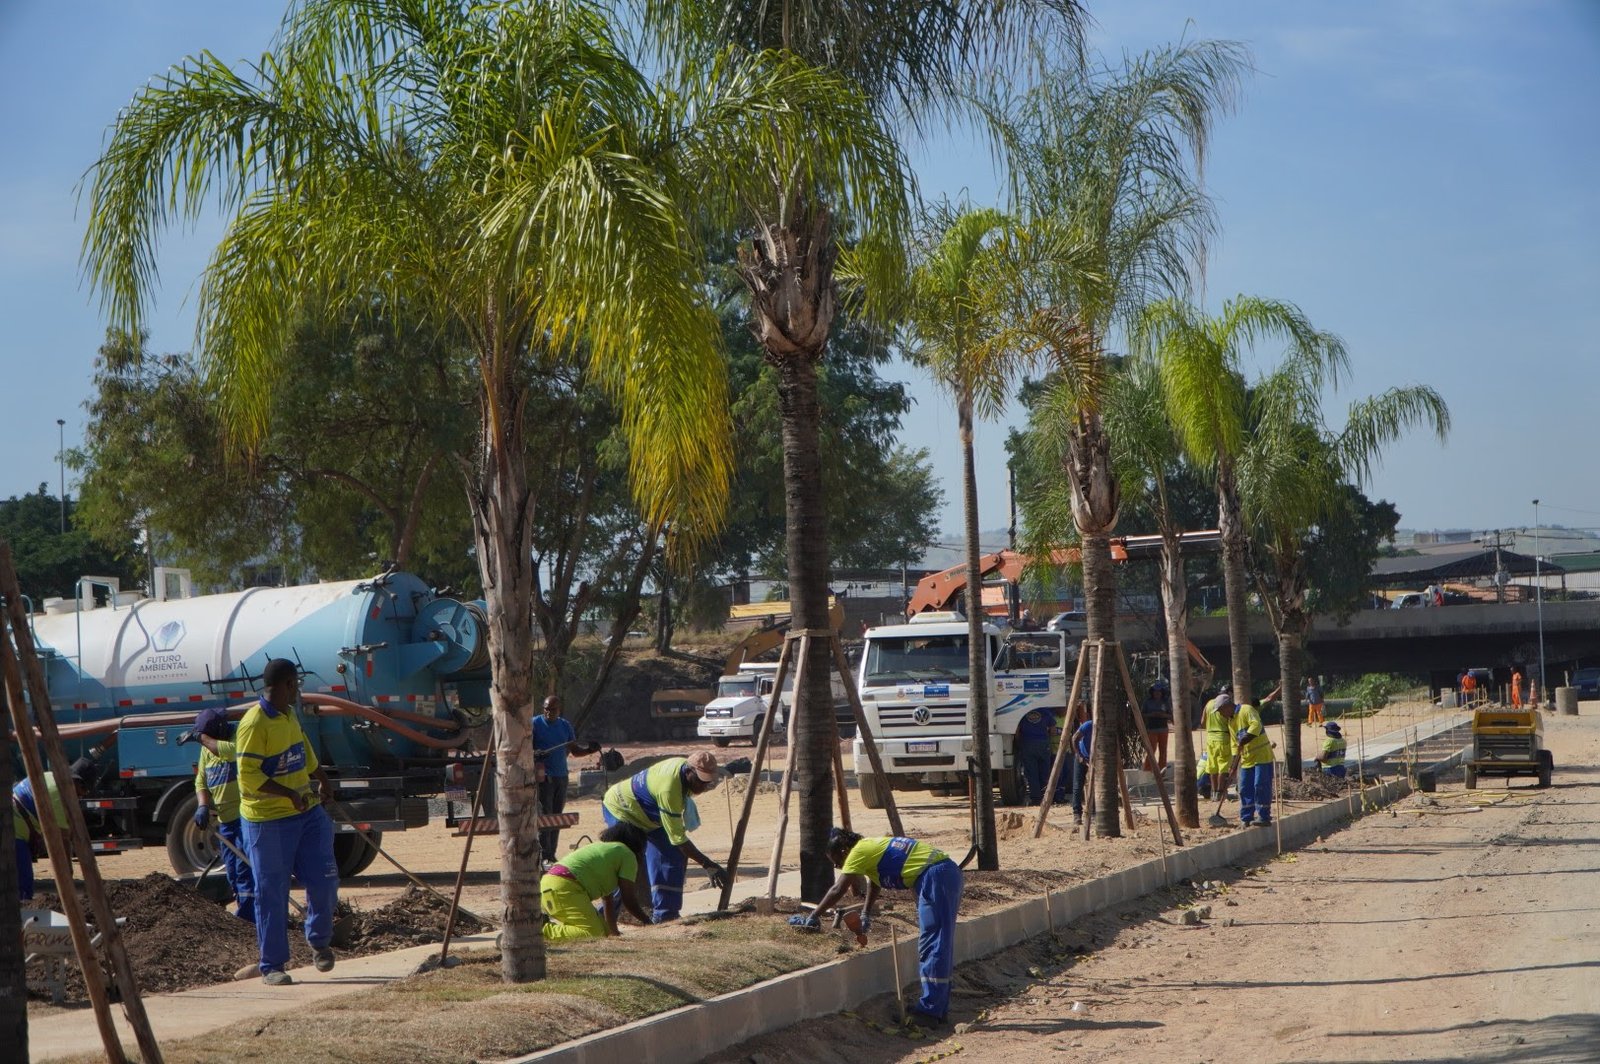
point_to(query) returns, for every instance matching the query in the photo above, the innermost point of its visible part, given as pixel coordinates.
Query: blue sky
(1422, 178)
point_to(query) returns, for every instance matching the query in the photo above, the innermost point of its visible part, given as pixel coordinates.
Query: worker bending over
(653, 800)
(1219, 740)
(902, 864)
(1331, 760)
(286, 830)
(29, 829)
(216, 786)
(601, 871)
(1255, 767)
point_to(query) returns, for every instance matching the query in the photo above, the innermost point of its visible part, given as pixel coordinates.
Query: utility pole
(1538, 592)
(61, 463)
(1499, 567)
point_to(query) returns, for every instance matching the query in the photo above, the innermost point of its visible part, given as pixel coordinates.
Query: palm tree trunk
(789, 271)
(1230, 523)
(977, 654)
(502, 518)
(1289, 672)
(1096, 498)
(816, 732)
(1174, 601)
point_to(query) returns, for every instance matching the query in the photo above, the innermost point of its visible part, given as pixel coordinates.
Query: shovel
(1217, 819)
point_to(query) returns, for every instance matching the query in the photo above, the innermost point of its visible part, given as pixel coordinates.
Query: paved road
(1431, 934)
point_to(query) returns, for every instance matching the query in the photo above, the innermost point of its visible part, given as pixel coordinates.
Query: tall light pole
(61, 463)
(1538, 593)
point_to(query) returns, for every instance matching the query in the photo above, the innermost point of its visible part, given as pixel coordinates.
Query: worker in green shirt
(902, 864)
(1219, 739)
(1331, 760)
(286, 830)
(25, 821)
(216, 785)
(654, 801)
(1255, 767)
(601, 871)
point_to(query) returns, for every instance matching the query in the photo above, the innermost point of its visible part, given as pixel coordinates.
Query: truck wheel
(871, 795)
(353, 854)
(1013, 784)
(719, 741)
(189, 849)
(1547, 765)
(755, 730)
(1472, 778)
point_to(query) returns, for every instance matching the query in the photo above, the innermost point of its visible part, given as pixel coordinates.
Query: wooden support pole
(93, 887)
(788, 769)
(1127, 799)
(840, 786)
(466, 849)
(874, 756)
(1066, 747)
(1149, 747)
(1094, 718)
(756, 762)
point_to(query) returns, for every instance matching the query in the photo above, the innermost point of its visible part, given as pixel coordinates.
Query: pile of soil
(178, 940)
(1314, 787)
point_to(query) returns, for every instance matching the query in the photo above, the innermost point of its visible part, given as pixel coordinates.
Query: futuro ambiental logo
(168, 636)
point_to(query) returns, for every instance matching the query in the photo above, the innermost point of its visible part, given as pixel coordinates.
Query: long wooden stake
(1065, 750)
(1089, 775)
(1149, 747)
(840, 786)
(899, 984)
(736, 847)
(788, 771)
(77, 830)
(466, 850)
(874, 756)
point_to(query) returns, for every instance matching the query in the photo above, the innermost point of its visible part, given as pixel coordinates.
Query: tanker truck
(395, 698)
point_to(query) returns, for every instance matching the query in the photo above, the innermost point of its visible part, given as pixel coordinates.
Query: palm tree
(951, 331)
(1206, 398)
(1103, 173)
(909, 59)
(1148, 457)
(1293, 472)
(504, 171)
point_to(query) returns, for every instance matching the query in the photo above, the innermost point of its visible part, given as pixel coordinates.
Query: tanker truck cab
(914, 683)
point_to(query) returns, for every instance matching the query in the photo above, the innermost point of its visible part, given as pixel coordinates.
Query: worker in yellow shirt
(1219, 739)
(286, 830)
(216, 785)
(29, 829)
(601, 871)
(654, 800)
(902, 864)
(1255, 767)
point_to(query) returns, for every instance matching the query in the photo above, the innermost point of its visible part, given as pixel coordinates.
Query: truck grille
(1513, 747)
(942, 719)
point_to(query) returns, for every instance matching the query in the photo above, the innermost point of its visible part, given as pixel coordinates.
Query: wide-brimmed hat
(1332, 728)
(703, 763)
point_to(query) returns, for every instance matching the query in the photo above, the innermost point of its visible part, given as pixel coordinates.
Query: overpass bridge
(1437, 642)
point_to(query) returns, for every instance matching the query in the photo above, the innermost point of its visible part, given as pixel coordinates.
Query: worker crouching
(1255, 767)
(602, 871)
(1331, 760)
(654, 800)
(902, 864)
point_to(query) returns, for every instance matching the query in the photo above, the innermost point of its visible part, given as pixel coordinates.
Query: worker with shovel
(1219, 741)
(216, 785)
(654, 800)
(1255, 767)
(601, 871)
(902, 864)
(286, 829)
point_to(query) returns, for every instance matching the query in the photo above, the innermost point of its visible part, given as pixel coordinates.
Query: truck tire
(189, 849)
(755, 729)
(871, 794)
(1547, 766)
(1472, 778)
(1013, 784)
(353, 854)
(720, 741)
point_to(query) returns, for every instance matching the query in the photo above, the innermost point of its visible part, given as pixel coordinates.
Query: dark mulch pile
(177, 939)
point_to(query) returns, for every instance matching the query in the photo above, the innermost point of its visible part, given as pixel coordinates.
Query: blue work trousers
(1080, 773)
(938, 898)
(302, 846)
(24, 870)
(241, 880)
(1255, 793)
(1034, 756)
(667, 867)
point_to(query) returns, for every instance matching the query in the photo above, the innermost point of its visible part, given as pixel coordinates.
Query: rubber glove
(719, 876)
(805, 922)
(866, 921)
(202, 817)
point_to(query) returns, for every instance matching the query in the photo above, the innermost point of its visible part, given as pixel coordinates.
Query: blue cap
(212, 722)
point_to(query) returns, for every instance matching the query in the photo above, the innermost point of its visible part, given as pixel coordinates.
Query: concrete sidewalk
(205, 1009)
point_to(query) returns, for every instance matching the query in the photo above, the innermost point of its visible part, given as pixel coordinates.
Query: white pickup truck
(914, 688)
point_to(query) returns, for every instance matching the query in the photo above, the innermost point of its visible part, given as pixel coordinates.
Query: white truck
(740, 705)
(914, 688)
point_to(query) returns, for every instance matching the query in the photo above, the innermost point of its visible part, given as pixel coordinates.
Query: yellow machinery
(1508, 742)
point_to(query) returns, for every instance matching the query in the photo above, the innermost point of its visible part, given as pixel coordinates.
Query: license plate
(922, 748)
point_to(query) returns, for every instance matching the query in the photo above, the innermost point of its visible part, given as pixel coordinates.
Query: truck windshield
(916, 659)
(739, 687)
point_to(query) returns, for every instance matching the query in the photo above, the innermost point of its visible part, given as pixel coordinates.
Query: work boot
(277, 977)
(323, 959)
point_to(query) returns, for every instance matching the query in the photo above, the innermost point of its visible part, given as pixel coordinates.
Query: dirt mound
(178, 940)
(1314, 787)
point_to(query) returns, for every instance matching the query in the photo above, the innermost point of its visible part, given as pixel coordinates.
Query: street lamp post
(61, 463)
(1538, 594)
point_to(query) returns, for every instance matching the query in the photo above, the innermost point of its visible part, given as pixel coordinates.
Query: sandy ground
(1439, 932)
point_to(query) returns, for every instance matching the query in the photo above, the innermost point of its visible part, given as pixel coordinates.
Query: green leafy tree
(905, 60)
(506, 173)
(1104, 173)
(1350, 536)
(49, 561)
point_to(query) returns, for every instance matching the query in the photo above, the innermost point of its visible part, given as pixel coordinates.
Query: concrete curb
(691, 1033)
